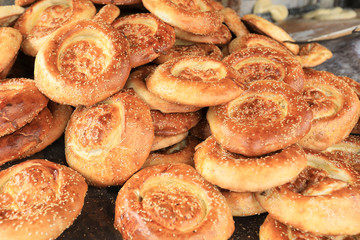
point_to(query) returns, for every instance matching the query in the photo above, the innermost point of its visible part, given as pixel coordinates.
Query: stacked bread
(199, 114)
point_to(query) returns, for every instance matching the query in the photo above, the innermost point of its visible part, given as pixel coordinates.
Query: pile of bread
(199, 114)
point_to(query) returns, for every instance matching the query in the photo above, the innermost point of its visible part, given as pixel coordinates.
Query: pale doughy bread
(20, 103)
(198, 17)
(238, 173)
(148, 36)
(91, 63)
(110, 141)
(175, 199)
(334, 104)
(323, 199)
(42, 18)
(10, 41)
(39, 200)
(137, 81)
(197, 81)
(268, 116)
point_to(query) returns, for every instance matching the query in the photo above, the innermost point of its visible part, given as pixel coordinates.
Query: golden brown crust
(39, 200)
(136, 81)
(264, 63)
(111, 140)
(313, 54)
(234, 23)
(117, 2)
(242, 204)
(20, 102)
(198, 49)
(10, 41)
(263, 26)
(334, 104)
(148, 36)
(356, 87)
(60, 117)
(16, 144)
(162, 141)
(272, 229)
(175, 199)
(323, 199)
(24, 2)
(9, 14)
(196, 81)
(202, 129)
(173, 123)
(181, 152)
(107, 14)
(238, 173)
(268, 116)
(255, 40)
(198, 17)
(220, 36)
(83, 63)
(347, 150)
(42, 18)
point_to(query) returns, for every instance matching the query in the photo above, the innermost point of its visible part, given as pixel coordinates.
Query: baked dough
(323, 199)
(42, 18)
(334, 104)
(196, 81)
(175, 199)
(181, 152)
(110, 141)
(263, 26)
(9, 14)
(83, 63)
(163, 141)
(173, 123)
(255, 40)
(137, 81)
(197, 49)
(220, 36)
(313, 54)
(194, 16)
(268, 116)
(10, 41)
(148, 36)
(243, 204)
(107, 14)
(272, 229)
(263, 63)
(39, 200)
(234, 23)
(20, 103)
(238, 173)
